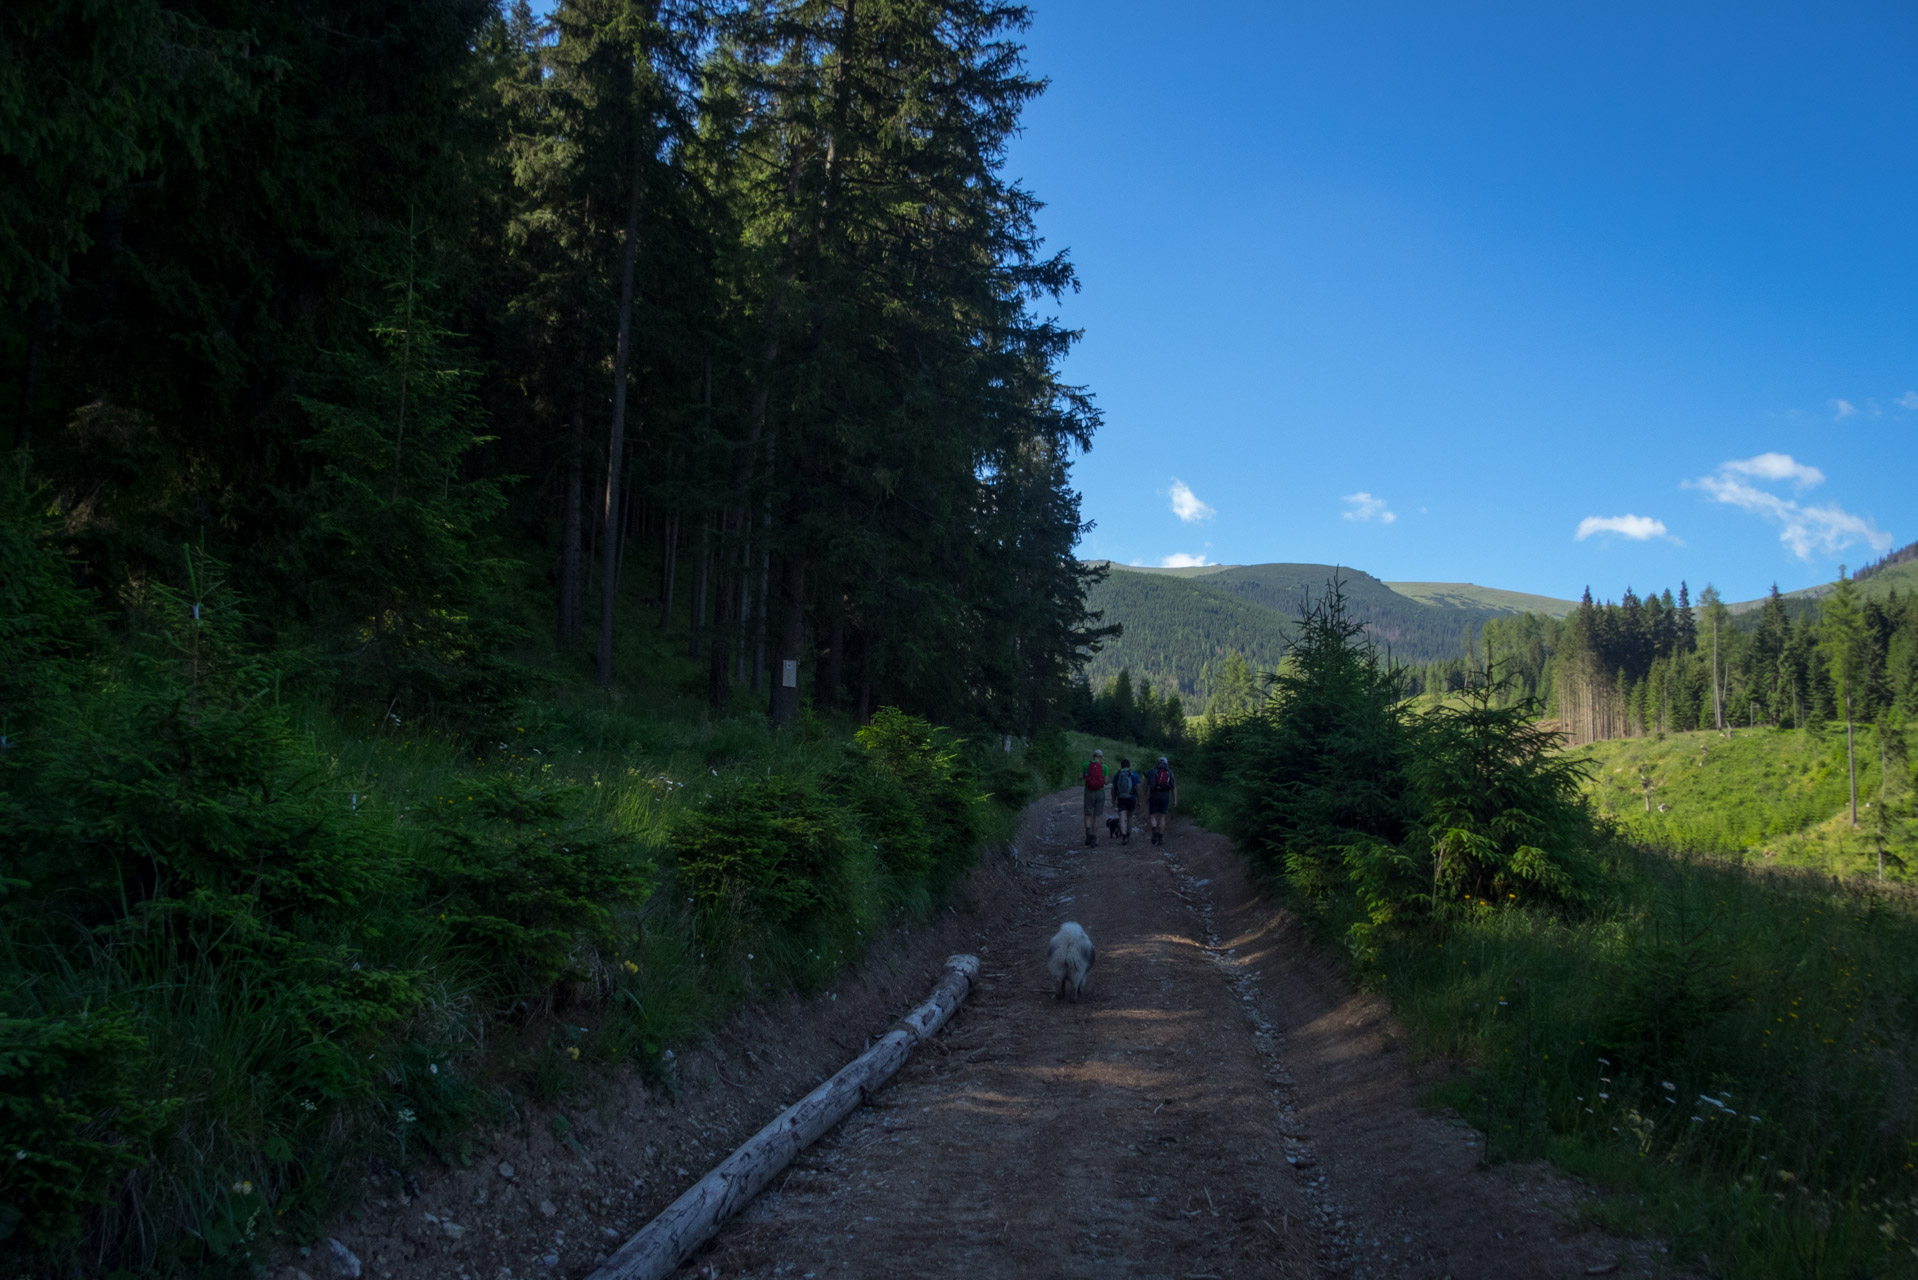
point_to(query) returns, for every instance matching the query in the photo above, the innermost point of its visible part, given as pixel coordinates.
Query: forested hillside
(1181, 627)
(1640, 666)
(507, 522)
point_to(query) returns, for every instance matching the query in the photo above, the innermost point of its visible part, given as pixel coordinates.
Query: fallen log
(691, 1220)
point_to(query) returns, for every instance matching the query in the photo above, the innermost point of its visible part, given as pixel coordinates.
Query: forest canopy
(413, 314)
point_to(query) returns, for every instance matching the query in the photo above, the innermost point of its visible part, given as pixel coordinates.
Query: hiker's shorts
(1095, 803)
(1125, 804)
(1158, 803)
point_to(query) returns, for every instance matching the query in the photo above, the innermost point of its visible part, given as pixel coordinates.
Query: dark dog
(1112, 827)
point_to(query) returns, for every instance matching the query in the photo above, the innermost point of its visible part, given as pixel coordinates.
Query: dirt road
(1218, 1105)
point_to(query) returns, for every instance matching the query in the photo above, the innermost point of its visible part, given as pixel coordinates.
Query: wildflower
(244, 1188)
(406, 1116)
(434, 1067)
(307, 1104)
(631, 967)
(1669, 1086)
(1604, 1097)
(572, 1051)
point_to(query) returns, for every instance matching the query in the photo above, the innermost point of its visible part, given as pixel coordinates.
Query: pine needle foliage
(1388, 817)
(396, 551)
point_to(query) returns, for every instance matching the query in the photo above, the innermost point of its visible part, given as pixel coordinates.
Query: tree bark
(719, 664)
(569, 537)
(702, 566)
(615, 453)
(671, 538)
(30, 378)
(1851, 762)
(691, 1220)
(1718, 705)
(784, 704)
(834, 681)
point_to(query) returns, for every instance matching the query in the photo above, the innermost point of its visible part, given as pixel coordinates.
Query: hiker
(1125, 797)
(1094, 776)
(1163, 792)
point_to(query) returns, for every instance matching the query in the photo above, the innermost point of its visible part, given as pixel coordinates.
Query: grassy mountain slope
(1469, 595)
(1775, 795)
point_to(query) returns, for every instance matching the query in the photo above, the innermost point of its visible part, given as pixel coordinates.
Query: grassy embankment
(1731, 1058)
(1776, 797)
(333, 952)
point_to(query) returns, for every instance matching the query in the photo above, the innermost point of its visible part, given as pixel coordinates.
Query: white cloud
(1186, 504)
(1775, 466)
(1909, 400)
(1637, 528)
(1804, 530)
(1842, 409)
(1363, 506)
(1182, 560)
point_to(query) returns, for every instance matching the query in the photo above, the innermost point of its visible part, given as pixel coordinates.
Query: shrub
(918, 796)
(1500, 818)
(771, 851)
(1319, 766)
(74, 1117)
(531, 884)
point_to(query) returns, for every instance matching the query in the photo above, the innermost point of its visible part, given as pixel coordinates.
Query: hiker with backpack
(1163, 791)
(1125, 796)
(1094, 777)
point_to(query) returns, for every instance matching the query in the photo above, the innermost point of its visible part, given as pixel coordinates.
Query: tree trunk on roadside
(784, 704)
(1718, 704)
(671, 537)
(829, 687)
(570, 567)
(616, 448)
(720, 653)
(702, 567)
(1851, 762)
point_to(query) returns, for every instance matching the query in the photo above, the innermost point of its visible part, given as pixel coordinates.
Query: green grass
(1469, 595)
(243, 1156)
(1791, 1001)
(1775, 797)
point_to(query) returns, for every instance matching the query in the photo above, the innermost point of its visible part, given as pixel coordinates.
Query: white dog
(1069, 958)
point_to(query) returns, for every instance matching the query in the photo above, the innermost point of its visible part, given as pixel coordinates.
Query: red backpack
(1162, 779)
(1096, 776)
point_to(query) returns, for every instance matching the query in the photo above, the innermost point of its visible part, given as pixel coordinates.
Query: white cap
(1097, 752)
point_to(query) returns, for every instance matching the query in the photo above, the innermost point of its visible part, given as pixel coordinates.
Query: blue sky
(1432, 290)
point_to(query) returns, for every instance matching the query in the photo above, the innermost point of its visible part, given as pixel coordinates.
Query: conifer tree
(1842, 642)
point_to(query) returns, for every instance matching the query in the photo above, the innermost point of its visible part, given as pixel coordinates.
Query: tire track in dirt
(1219, 1105)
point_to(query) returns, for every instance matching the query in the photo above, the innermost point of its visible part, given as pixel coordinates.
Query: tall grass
(1734, 1055)
(240, 1158)
(1777, 796)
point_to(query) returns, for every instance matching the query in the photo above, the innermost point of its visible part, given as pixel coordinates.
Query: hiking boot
(1088, 839)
